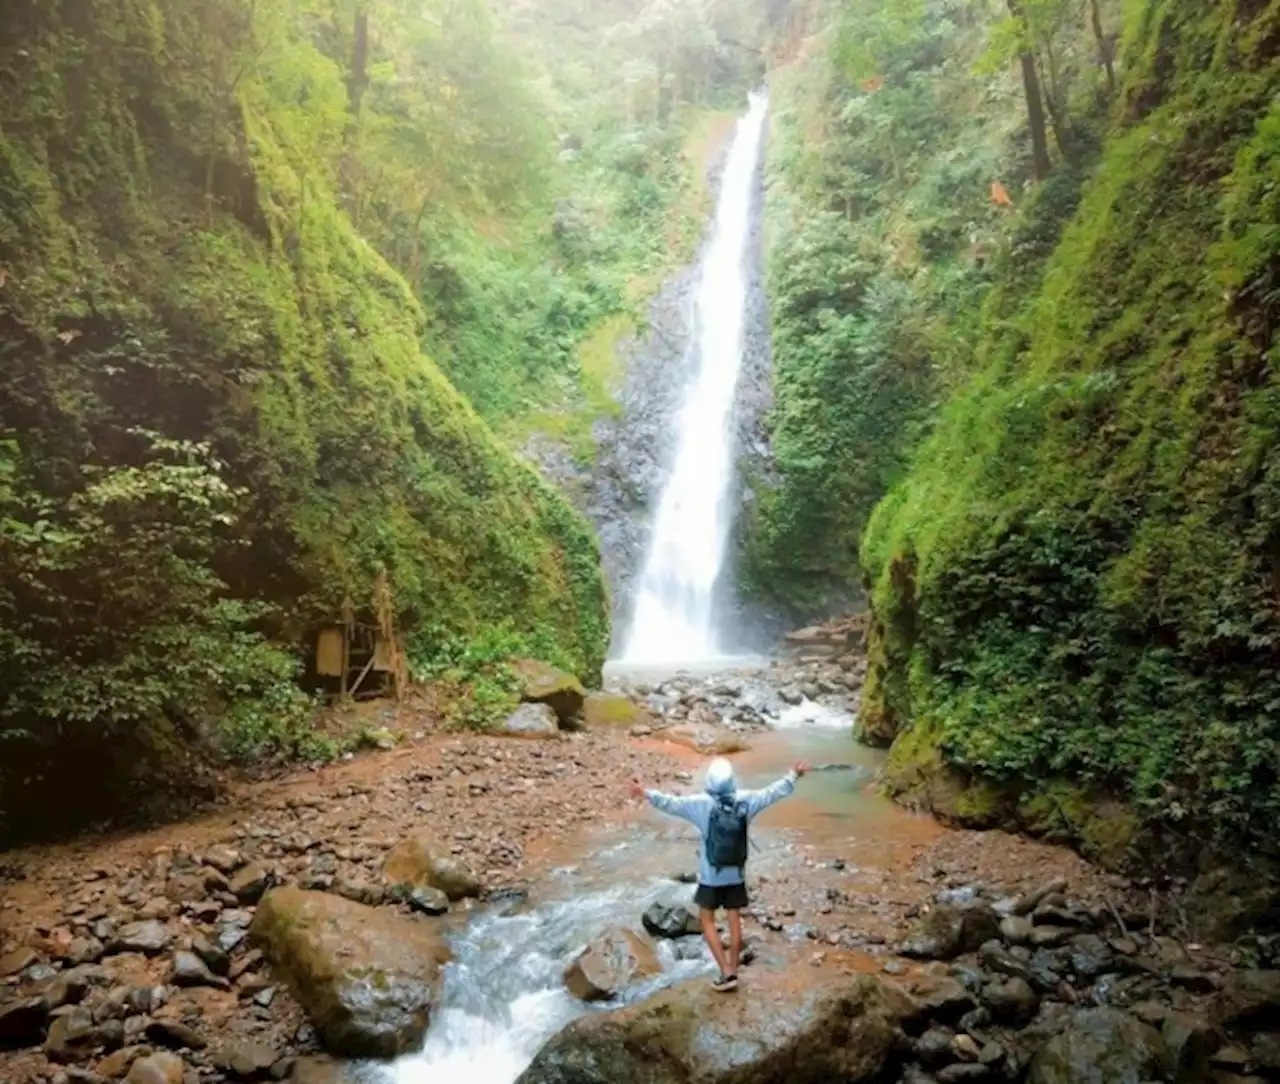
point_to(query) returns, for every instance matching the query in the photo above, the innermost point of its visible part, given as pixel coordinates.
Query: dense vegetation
(1073, 577)
(249, 251)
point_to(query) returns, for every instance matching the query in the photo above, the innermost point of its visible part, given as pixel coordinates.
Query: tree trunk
(1059, 118)
(1035, 103)
(1104, 47)
(357, 84)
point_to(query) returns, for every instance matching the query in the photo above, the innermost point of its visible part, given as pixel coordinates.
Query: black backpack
(727, 836)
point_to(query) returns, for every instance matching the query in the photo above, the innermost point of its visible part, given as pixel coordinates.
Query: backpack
(727, 836)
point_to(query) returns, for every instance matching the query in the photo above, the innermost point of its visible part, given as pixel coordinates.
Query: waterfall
(674, 618)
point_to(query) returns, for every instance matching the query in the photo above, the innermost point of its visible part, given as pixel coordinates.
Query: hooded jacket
(696, 809)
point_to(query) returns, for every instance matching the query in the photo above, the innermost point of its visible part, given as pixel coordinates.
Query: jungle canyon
(320, 313)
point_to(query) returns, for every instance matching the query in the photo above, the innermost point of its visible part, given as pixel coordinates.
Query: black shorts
(715, 897)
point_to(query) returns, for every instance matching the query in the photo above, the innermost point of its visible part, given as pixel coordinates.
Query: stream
(503, 995)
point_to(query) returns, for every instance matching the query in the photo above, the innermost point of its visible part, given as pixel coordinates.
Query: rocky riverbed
(178, 955)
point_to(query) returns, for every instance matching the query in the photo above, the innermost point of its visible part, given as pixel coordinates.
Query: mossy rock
(544, 684)
(916, 775)
(367, 978)
(420, 860)
(1102, 828)
(793, 1029)
(604, 710)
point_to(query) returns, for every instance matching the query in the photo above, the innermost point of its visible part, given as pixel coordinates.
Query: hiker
(721, 816)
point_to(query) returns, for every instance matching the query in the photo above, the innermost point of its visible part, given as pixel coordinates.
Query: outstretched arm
(677, 805)
(757, 801)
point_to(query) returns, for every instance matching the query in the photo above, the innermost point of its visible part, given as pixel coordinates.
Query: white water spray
(674, 619)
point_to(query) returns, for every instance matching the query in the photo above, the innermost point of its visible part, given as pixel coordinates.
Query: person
(721, 816)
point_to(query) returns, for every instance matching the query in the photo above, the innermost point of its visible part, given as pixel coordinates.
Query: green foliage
(177, 261)
(1091, 526)
(880, 229)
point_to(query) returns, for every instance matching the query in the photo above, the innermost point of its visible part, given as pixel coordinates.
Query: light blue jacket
(696, 809)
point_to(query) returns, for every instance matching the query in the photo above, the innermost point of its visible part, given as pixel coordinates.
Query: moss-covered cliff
(1074, 588)
(214, 395)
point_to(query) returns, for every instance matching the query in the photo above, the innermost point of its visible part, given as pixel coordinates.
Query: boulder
(1249, 999)
(949, 930)
(543, 684)
(790, 1028)
(532, 721)
(609, 964)
(603, 710)
(366, 978)
(1101, 1046)
(670, 920)
(422, 861)
(705, 739)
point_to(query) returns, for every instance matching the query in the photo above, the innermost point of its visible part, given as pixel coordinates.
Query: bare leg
(735, 939)
(712, 935)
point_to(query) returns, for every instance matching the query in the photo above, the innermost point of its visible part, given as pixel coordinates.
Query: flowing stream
(674, 619)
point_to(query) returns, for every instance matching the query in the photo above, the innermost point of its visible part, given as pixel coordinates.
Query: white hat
(720, 777)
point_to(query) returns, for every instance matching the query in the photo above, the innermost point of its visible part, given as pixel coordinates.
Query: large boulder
(543, 684)
(420, 860)
(610, 964)
(366, 978)
(531, 721)
(705, 739)
(786, 1028)
(1101, 1046)
(947, 930)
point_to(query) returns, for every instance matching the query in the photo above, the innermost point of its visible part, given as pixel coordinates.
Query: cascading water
(674, 618)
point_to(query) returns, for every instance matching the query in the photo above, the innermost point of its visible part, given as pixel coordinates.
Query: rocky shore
(308, 920)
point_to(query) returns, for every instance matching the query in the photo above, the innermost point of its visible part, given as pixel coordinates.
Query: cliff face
(214, 395)
(1074, 587)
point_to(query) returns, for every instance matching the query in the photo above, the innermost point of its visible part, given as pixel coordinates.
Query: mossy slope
(1077, 578)
(174, 259)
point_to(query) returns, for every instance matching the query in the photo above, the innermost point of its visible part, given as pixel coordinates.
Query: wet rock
(827, 1027)
(421, 860)
(428, 901)
(1190, 1041)
(947, 931)
(174, 1034)
(1249, 999)
(610, 964)
(189, 970)
(245, 1060)
(543, 684)
(532, 721)
(149, 938)
(250, 883)
(670, 921)
(1100, 1046)
(157, 1069)
(1012, 1000)
(23, 1022)
(366, 978)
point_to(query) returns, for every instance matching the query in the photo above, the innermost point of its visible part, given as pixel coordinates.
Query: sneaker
(725, 983)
